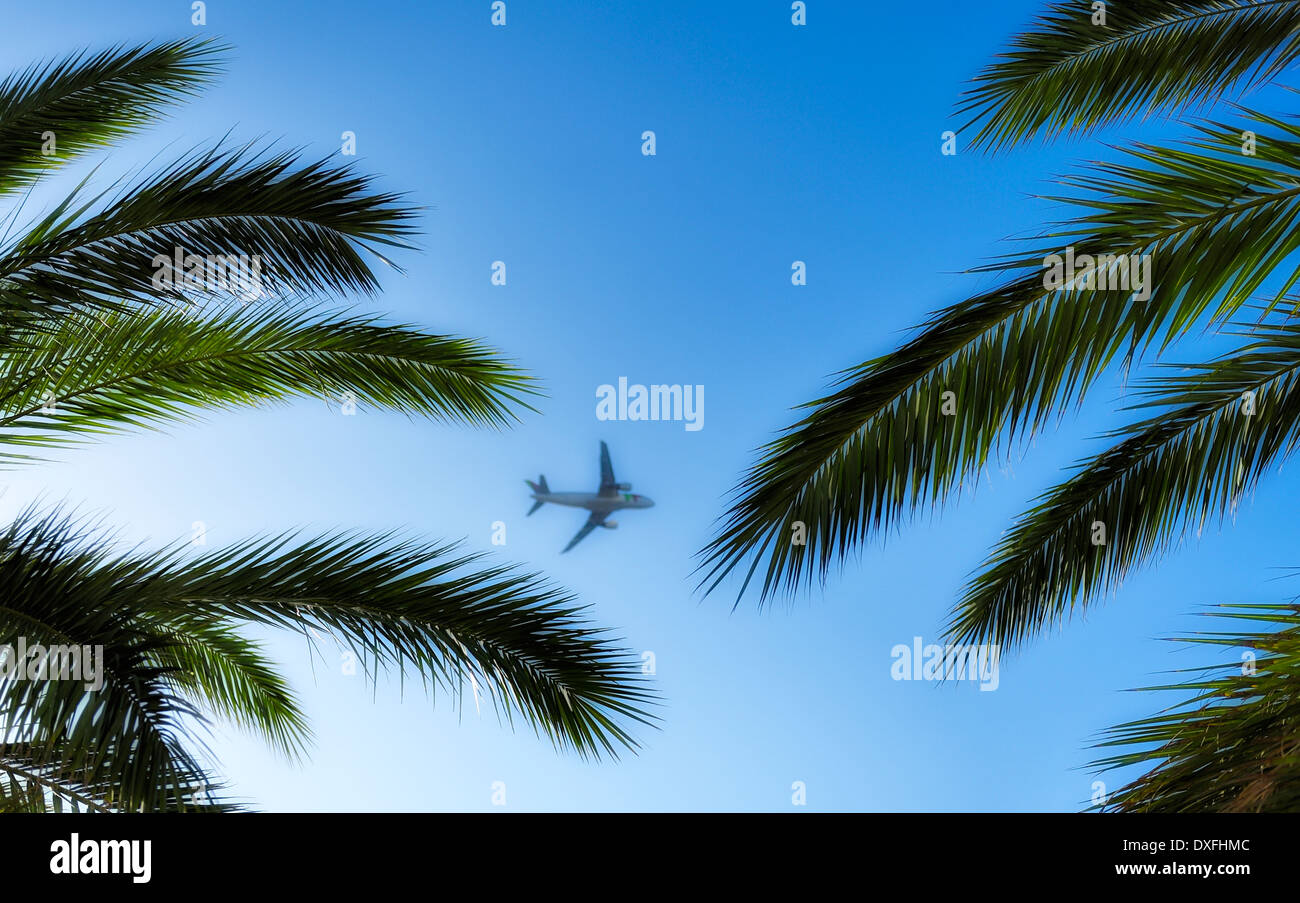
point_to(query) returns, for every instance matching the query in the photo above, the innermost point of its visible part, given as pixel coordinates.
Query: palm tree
(93, 343)
(1216, 215)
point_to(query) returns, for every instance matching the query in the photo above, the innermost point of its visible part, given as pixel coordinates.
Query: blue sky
(774, 144)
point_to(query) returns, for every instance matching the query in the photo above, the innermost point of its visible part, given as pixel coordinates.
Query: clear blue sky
(775, 144)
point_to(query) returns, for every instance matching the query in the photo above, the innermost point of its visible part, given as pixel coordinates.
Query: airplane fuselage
(601, 504)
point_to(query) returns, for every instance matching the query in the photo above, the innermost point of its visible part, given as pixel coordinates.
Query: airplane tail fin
(533, 509)
(539, 487)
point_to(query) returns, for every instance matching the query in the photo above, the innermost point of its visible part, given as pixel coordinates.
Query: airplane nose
(649, 503)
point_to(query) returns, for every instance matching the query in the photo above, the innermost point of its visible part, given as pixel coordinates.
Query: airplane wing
(592, 523)
(607, 483)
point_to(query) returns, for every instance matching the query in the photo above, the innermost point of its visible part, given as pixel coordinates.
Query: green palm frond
(461, 626)
(1215, 225)
(229, 678)
(89, 375)
(167, 625)
(33, 780)
(1233, 744)
(87, 101)
(307, 227)
(1219, 427)
(130, 742)
(1068, 74)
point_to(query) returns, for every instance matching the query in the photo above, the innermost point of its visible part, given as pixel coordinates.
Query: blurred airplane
(611, 497)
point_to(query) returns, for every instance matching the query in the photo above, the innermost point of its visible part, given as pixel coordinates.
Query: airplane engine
(623, 487)
(610, 525)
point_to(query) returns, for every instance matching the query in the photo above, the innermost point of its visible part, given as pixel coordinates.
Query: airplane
(611, 497)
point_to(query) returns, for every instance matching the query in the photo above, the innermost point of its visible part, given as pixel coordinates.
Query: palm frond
(87, 101)
(1233, 743)
(90, 375)
(1213, 224)
(228, 677)
(435, 612)
(302, 228)
(33, 780)
(1067, 74)
(1219, 427)
(413, 608)
(126, 744)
